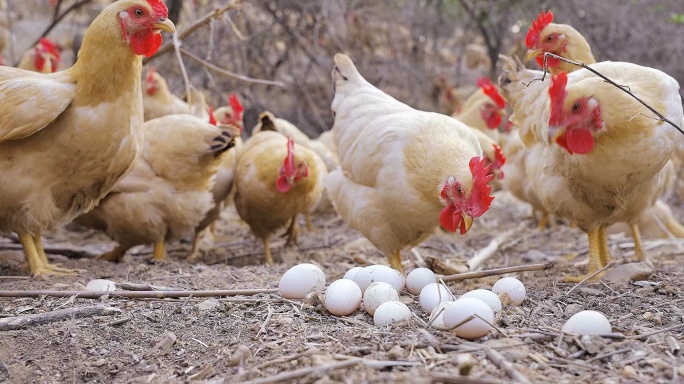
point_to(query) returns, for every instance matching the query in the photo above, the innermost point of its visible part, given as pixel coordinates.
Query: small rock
(395, 353)
(593, 344)
(100, 362)
(241, 354)
(571, 309)
(623, 274)
(629, 372)
(166, 342)
(208, 305)
(284, 320)
(101, 285)
(465, 362)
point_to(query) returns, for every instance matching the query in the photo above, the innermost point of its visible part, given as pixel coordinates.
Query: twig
(623, 88)
(319, 369)
(590, 276)
(489, 251)
(184, 72)
(498, 271)
(266, 322)
(137, 294)
(15, 277)
(645, 335)
(57, 20)
(17, 322)
(444, 378)
(229, 73)
(504, 364)
(166, 48)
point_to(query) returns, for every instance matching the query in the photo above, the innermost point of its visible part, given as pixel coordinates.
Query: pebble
(625, 273)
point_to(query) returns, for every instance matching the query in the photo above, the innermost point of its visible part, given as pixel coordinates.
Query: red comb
(557, 95)
(235, 103)
(51, 47)
(159, 7)
(499, 158)
(150, 74)
(490, 90)
(212, 118)
(538, 25)
(479, 200)
(289, 163)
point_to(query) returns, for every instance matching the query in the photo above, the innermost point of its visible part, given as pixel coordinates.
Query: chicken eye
(549, 38)
(139, 12)
(577, 107)
(459, 190)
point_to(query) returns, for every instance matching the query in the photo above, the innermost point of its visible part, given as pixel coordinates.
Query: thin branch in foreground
(184, 71)
(58, 19)
(590, 276)
(498, 271)
(611, 82)
(485, 253)
(17, 322)
(229, 73)
(451, 379)
(166, 48)
(506, 365)
(138, 294)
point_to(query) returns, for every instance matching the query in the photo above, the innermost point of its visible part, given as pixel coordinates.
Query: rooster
(403, 171)
(274, 182)
(484, 109)
(168, 192)
(61, 162)
(158, 100)
(585, 132)
(45, 57)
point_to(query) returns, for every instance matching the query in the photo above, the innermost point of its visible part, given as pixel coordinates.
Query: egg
(351, 273)
(300, 280)
(463, 308)
(588, 323)
(432, 295)
(437, 316)
(376, 294)
(513, 287)
(391, 312)
(417, 279)
(379, 273)
(342, 297)
(101, 285)
(487, 296)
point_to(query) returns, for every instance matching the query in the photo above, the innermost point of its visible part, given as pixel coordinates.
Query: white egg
(378, 293)
(342, 297)
(461, 310)
(437, 316)
(351, 273)
(588, 323)
(432, 295)
(418, 279)
(379, 273)
(513, 287)
(300, 280)
(101, 285)
(392, 312)
(485, 295)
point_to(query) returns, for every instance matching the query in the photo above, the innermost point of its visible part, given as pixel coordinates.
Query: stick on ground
(506, 365)
(498, 271)
(137, 294)
(17, 322)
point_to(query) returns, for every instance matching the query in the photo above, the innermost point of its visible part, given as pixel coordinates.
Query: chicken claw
(115, 255)
(159, 251)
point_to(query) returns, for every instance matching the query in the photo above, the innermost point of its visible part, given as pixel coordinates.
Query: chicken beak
(166, 26)
(467, 222)
(532, 53)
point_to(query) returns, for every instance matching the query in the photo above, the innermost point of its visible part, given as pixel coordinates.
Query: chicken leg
(595, 255)
(292, 232)
(38, 242)
(638, 247)
(604, 250)
(309, 223)
(395, 260)
(34, 260)
(115, 255)
(543, 221)
(267, 252)
(159, 251)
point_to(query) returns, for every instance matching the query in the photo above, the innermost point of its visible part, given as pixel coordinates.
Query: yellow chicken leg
(293, 232)
(395, 261)
(594, 256)
(38, 242)
(605, 251)
(115, 255)
(638, 247)
(34, 260)
(543, 221)
(159, 251)
(309, 223)
(267, 252)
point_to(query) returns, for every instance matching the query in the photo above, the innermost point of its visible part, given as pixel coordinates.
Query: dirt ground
(256, 338)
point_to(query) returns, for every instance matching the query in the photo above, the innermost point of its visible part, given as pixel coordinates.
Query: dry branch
(589, 277)
(17, 322)
(506, 365)
(215, 14)
(137, 294)
(58, 19)
(489, 251)
(498, 271)
(443, 378)
(611, 82)
(229, 73)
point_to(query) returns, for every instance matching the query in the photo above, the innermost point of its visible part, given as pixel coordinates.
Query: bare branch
(137, 294)
(498, 271)
(57, 20)
(229, 73)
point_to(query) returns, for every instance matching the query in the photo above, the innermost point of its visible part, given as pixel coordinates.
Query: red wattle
(494, 121)
(282, 185)
(146, 43)
(447, 218)
(580, 141)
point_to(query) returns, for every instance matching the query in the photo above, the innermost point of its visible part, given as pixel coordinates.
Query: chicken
(45, 57)
(584, 132)
(561, 40)
(168, 192)
(494, 155)
(403, 171)
(484, 109)
(449, 98)
(267, 121)
(657, 222)
(230, 117)
(274, 182)
(158, 100)
(327, 138)
(59, 163)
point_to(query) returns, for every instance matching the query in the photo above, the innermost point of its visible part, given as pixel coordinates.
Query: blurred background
(427, 53)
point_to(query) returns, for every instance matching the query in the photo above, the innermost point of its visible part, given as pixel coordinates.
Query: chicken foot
(543, 221)
(267, 252)
(638, 246)
(38, 241)
(35, 261)
(115, 255)
(159, 251)
(395, 260)
(599, 255)
(309, 223)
